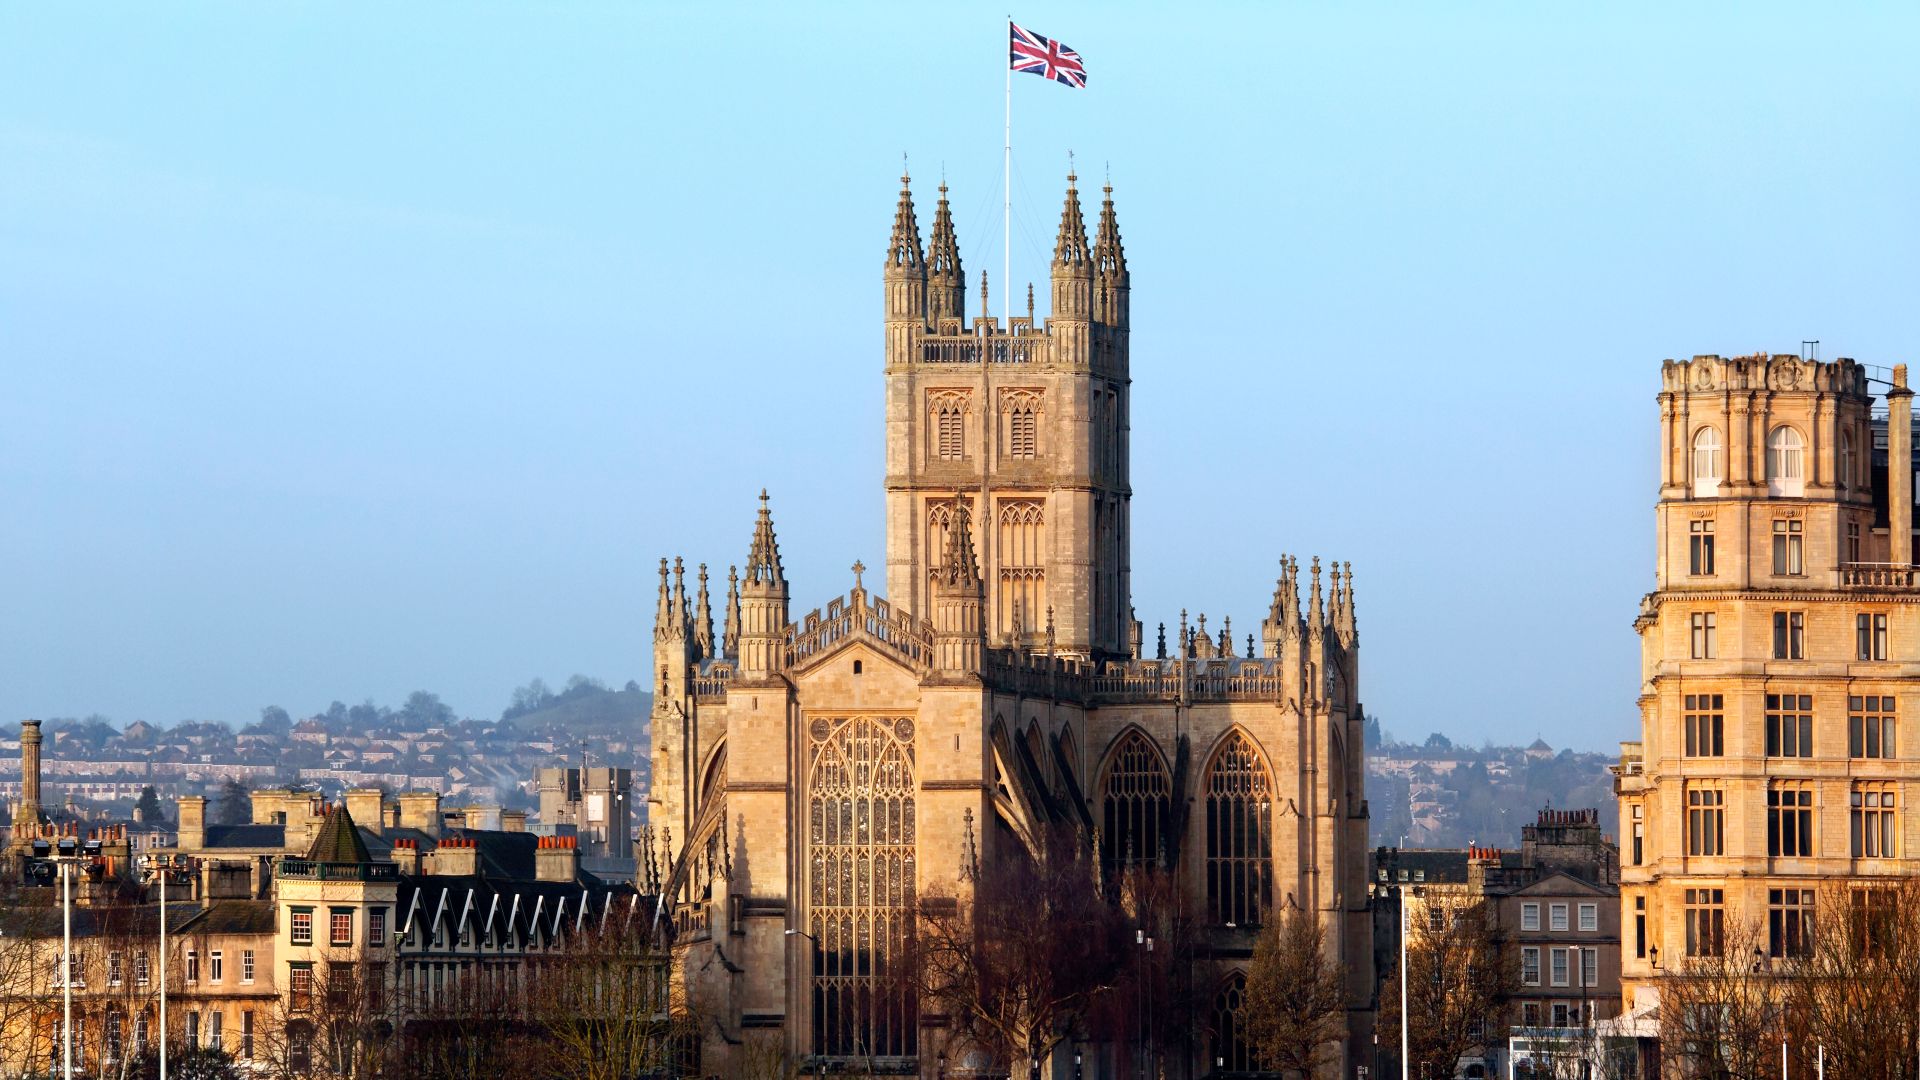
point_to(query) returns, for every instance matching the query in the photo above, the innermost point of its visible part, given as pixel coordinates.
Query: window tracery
(949, 410)
(1134, 804)
(1021, 409)
(1230, 1051)
(1239, 834)
(1022, 555)
(860, 786)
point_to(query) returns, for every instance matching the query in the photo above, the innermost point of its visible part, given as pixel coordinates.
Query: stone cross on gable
(858, 569)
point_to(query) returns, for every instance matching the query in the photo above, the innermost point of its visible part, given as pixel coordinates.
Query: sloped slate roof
(234, 917)
(246, 836)
(337, 841)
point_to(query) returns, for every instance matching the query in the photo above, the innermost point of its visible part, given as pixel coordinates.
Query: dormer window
(1786, 462)
(1706, 462)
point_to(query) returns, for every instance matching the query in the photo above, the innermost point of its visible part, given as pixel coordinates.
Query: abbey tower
(815, 775)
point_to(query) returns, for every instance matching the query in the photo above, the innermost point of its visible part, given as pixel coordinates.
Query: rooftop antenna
(1810, 350)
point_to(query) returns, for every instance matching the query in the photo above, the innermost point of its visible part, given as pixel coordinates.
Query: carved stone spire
(730, 632)
(763, 558)
(946, 282)
(663, 611)
(1070, 246)
(958, 564)
(681, 614)
(905, 275)
(1072, 278)
(1110, 279)
(903, 247)
(1347, 623)
(702, 620)
(1316, 608)
(763, 602)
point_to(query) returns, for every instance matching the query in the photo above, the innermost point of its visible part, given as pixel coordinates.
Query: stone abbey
(814, 776)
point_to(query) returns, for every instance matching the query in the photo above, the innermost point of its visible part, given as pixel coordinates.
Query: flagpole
(1006, 207)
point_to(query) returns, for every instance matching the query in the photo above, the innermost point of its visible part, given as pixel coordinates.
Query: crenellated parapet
(1760, 371)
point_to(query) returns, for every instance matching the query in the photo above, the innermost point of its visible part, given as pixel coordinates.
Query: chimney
(420, 810)
(406, 854)
(557, 858)
(456, 856)
(30, 768)
(513, 820)
(363, 806)
(270, 805)
(193, 822)
(1900, 468)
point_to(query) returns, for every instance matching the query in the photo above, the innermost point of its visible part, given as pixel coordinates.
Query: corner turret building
(1780, 651)
(815, 774)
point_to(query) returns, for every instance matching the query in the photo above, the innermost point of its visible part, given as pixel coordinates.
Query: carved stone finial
(858, 569)
(983, 295)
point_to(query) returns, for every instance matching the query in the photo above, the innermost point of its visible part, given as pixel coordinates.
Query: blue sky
(352, 349)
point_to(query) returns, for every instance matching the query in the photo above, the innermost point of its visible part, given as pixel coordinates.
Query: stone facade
(1005, 690)
(1780, 649)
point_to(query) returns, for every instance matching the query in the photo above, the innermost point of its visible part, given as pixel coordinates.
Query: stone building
(1556, 901)
(1002, 692)
(1779, 647)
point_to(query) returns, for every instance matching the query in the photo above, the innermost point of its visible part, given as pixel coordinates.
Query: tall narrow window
(1789, 635)
(1020, 411)
(1239, 834)
(1231, 1052)
(1639, 836)
(1706, 462)
(1875, 823)
(1789, 725)
(1702, 628)
(1640, 927)
(1786, 547)
(1134, 805)
(1786, 465)
(1870, 719)
(1789, 820)
(860, 790)
(1846, 470)
(1789, 922)
(1870, 636)
(1706, 914)
(1706, 821)
(949, 412)
(1853, 541)
(1700, 548)
(1021, 604)
(1704, 725)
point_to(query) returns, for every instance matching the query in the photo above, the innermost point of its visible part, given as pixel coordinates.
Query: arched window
(1706, 461)
(1239, 834)
(1022, 425)
(1786, 461)
(860, 785)
(1229, 1052)
(939, 518)
(1846, 458)
(1022, 556)
(1133, 804)
(948, 409)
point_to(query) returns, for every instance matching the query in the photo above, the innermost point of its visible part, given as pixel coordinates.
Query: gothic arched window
(949, 410)
(1786, 464)
(860, 791)
(1022, 411)
(939, 519)
(1022, 556)
(1230, 1052)
(1706, 461)
(1239, 834)
(1133, 804)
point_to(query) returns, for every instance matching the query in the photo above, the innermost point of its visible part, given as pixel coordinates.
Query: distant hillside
(616, 714)
(1439, 795)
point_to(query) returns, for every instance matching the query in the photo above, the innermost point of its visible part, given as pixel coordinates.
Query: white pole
(66, 967)
(1820, 1062)
(1006, 191)
(1406, 1022)
(1783, 1059)
(163, 974)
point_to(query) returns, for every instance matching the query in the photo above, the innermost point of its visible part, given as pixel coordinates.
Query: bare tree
(604, 1005)
(1462, 972)
(1296, 996)
(1020, 964)
(1855, 986)
(1721, 1015)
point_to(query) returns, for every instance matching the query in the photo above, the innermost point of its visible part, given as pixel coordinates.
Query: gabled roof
(337, 841)
(1562, 883)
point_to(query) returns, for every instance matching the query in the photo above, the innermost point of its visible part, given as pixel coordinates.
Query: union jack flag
(1046, 58)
